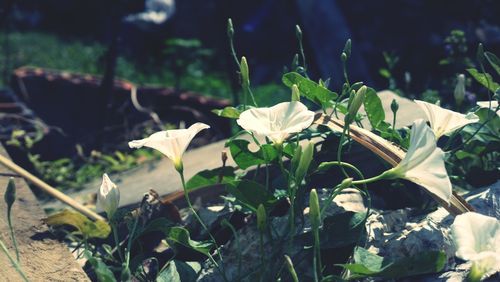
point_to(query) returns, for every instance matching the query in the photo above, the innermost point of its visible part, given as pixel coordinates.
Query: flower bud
(345, 183)
(356, 103)
(230, 29)
(108, 197)
(305, 162)
(343, 57)
(394, 106)
(10, 194)
(314, 211)
(245, 76)
(347, 49)
(459, 92)
(295, 93)
(261, 218)
(298, 32)
(291, 269)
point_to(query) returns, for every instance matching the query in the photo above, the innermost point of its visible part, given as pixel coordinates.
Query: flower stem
(15, 264)
(12, 235)
(117, 241)
(188, 201)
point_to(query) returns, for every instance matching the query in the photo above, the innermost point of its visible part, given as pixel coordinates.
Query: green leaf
(251, 194)
(179, 271)
(211, 177)
(373, 107)
(484, 79)
(367, 264)
(342, 229)
(179, 235)
(102, 271)
(244, 158)
(493, 60)
(310, 89)
(85, 226)
(228, 112)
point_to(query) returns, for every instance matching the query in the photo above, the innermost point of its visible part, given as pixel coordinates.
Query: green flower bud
(298, 32)
(356, 103)
(291, 269)
(296, 158)
(230, 29)
(305, 162)
(343, 57)
(261, 218)
(245, 76)
(345, 183)
(295, 62)
(314, 211)
(394, 106)
(347, 49)
(10, 193)
(295, 93)
(459, 93)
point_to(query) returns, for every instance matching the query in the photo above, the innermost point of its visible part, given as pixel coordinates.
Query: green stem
(339, 149)
(261, 248)
(188, 201)
(383, 175)
(14, 263)
(117, 241)
(291, 195)
(12, 235)
(317, 254)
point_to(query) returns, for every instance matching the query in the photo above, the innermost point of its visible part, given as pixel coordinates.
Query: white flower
(443, 121)
(171, 143)
(424, 163)
(277, 122)
(108, 196)
(477, 239)
(486, 104)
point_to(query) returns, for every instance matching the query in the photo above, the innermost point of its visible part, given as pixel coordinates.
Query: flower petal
(171, 143)
(444, 121)
(474, 233)
(424, 162)
(277, 122)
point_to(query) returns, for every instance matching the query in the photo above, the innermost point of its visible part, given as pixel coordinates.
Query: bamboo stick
(49, 189)
(390, 153)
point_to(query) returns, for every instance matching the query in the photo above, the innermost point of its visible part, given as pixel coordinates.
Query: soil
(42, 257)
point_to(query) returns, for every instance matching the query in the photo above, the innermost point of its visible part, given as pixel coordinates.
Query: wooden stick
(49, 189)
(390, 153)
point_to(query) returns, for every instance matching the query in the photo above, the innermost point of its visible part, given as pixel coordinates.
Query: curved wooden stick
(49, 189)
(390, 153)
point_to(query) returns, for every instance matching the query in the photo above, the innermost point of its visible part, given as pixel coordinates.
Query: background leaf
(179, 235)
(484, 79)
(244, 158)
(85, 226)
(210, 177)
(179, 271)
(252, 194)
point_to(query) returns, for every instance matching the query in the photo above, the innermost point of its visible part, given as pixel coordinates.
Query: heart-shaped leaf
(85, 226)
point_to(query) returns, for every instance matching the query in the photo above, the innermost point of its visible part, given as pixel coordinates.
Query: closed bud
(295, 93)
(459, 93)
(245, 76)
(230, 28)
(347, 48)
(314, 211)
(343, 57)
(298, 32)
(261, 218)
(296, 158)
(10, 193)
(356, 103)
(394, 106)
(224, 157)
(304, 163)
(295, 62)
(291, 269)
(108, 197)
(346, 183)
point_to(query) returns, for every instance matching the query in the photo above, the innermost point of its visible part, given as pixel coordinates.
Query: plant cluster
(283, 190)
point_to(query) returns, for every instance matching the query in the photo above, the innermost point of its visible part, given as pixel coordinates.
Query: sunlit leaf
(373, 107)
(484, 79)
(310, 89)
(228, 112)
(367, 264)
(85, 226)
(244, 158)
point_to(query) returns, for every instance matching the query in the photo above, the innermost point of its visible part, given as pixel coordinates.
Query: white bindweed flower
(277, 122)
(424, 163)
(443, 121)
(171, 143)
(486, 104)
(108, 196)
(477, 239)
